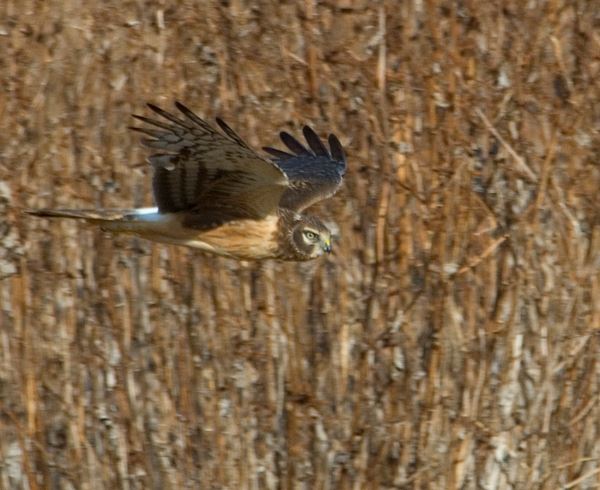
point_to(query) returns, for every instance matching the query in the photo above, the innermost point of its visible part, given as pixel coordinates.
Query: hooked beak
(327, 246)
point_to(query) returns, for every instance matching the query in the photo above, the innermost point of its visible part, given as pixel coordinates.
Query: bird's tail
(93, 216)
(135, 221)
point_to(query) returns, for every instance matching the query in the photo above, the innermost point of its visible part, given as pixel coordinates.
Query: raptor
(215, 193)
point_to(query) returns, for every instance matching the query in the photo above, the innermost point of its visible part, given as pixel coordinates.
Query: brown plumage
(215, 193)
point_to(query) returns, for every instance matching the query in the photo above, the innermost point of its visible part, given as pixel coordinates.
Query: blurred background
(450, 341)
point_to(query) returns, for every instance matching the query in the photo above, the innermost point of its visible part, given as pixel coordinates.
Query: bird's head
(310, 238)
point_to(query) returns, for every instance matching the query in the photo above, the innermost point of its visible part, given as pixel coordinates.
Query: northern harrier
(214, 193)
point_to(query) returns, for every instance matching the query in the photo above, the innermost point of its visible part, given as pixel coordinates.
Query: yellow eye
(311, 236)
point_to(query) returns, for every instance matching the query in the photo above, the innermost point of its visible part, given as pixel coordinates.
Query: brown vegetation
(451, 341)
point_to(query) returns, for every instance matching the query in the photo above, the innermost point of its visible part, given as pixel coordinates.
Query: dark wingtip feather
(293, 144)
(191, 115)
(182, 107)
(314, 142)
(165, 114)
(155, 108)
(337, 150)
(282, 155)
(136, 128)
(231, 133)
(152, 122)
(226, 127)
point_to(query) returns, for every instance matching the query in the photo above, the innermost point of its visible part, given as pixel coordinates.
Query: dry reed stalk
(449, 342)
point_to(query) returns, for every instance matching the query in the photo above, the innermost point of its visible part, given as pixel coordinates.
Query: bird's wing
(314, 173)
(198, 169)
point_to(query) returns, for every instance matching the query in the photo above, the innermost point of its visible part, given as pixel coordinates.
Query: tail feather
(90, 215)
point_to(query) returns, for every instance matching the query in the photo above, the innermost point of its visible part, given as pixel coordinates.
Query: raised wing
(198, 169)
(314, 173)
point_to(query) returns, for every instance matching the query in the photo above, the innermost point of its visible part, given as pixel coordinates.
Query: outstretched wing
(314, 173)
(198, 169)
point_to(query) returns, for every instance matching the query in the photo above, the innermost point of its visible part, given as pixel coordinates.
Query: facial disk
(311, 238)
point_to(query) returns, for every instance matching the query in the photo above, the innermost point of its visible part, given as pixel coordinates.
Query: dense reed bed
(450, 342)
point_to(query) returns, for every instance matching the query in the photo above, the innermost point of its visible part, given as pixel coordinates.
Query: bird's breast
(247, 238)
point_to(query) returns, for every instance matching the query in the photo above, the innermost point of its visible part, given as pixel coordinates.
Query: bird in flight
(215, 193)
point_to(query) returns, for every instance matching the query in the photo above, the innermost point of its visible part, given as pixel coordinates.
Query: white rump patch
(141, 211)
